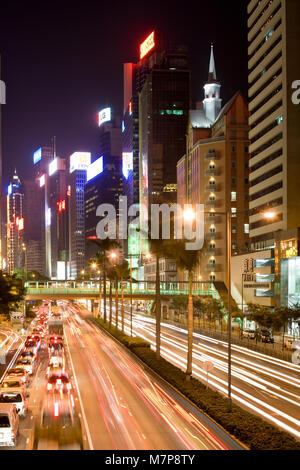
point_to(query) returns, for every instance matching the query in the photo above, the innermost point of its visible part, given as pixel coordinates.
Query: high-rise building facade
(164, 103)
(15, 225)
(274, 38)
(56, 220)
(104, 186)
(79, 162)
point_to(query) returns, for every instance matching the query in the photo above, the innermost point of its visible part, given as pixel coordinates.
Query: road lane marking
(80, 400)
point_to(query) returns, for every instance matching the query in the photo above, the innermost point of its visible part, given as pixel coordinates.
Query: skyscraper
(104, 186)
(274, 37)
(15, 225)
(79, 162)
(164, 103)
(56, 220)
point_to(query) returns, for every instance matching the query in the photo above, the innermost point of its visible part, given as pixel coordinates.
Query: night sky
(63, 61)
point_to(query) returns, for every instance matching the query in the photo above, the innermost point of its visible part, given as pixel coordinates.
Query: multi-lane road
(266, 386)
(121, 405)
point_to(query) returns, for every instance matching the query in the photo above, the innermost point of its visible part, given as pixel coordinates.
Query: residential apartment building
(274, 38)
(214, 172)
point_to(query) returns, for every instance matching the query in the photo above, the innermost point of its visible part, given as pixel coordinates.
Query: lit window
(233, 211)
(279, 120)
(233, 196)
(246, 228)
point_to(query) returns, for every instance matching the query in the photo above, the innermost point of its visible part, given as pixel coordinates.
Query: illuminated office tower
(56, 220)
(79, 162)
(15, 225)
(34, 210)
(273, 68)
(163, 78)
(104, 186)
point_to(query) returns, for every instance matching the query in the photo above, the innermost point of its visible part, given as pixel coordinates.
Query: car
(19, 373)
(9, 424)
(32, 343)
(57, 361)
(58, 426)
(26, 363)
(249, 334)
(13, 382)
(16, 397)
(55, 339)
(56, 370)
(55, 349)
(59, 382)
(265, 336)
(27, 353)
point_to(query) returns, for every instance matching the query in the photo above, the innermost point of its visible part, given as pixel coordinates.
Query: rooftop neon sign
(94, 169)
(104, 116)
(147, 45)
(37, 156)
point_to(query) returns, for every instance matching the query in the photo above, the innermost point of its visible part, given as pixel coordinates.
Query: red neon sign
(130, 107)
(61, 205)
(147, 45)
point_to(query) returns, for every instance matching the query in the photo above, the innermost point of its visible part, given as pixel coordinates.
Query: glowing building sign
(104, 116)
(53, 166)
(48, 217)
(42, 181)
(20, 223)
(127, 163)
(94, 169)
(9, 189)
(79, 161)
(37, 156)
(61, 205)
(147, 45)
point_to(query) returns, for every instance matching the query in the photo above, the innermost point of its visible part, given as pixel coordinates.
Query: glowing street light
(189, 215)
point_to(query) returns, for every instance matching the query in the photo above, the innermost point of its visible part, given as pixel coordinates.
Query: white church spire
(212, 67)
(212, 101)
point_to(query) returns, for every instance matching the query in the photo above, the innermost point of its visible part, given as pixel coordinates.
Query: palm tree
(111, 275)
(187, 260)
(123, 273)
(104, 246)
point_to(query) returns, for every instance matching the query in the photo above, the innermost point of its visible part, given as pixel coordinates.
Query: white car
(26, 364)
(9, 424)
(16, 397)
(13, 382)
(17, 373)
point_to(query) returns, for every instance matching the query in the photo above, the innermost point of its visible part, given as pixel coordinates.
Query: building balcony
(213, 268)
(216, 219)
(212, 236)
(213, 252)
(212, 188)
(212, 204)
(212, 156)
(212, 172)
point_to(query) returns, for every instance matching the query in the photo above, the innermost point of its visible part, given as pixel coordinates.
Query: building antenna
(54, 146)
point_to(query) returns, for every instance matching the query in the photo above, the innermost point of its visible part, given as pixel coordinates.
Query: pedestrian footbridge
(140, 290)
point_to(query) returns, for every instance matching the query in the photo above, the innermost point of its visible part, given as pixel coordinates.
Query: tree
(179, 302)
(187, 260)
(101, 259)
(123, 273)
(12, 292)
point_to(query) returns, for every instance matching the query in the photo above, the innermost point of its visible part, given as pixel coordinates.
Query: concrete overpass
(142, 290)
